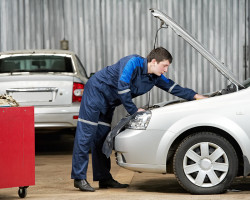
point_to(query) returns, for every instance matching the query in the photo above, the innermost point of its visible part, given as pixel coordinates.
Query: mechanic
(117, 84)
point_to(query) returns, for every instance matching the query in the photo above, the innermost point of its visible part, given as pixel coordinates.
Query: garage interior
(222, 26)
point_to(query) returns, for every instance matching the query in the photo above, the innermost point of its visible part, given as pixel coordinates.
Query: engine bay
(229, 89)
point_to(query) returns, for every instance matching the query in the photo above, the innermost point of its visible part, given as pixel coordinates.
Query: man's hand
(199, 96)
(140, 110)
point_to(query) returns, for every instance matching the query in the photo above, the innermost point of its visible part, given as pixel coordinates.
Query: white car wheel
(205, 163)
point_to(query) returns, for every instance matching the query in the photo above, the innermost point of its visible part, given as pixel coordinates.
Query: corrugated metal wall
(102, 31)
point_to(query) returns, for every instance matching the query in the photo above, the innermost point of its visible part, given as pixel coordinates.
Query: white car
(50, 80)
(206, 143)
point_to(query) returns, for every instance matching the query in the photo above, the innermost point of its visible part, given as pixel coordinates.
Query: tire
(205, 163)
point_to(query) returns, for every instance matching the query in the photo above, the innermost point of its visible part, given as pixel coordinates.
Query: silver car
(50, 80)
(206, 143)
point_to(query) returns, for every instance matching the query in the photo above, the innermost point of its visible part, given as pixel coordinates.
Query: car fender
(199, 120)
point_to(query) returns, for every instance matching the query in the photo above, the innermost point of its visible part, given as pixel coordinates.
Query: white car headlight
(140, 120)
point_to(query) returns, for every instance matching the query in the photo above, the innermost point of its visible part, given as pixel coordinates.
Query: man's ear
(153, 61)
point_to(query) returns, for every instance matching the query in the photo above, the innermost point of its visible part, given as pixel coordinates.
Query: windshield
(33, 63)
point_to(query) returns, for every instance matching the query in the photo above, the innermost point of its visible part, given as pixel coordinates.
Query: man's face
(161, 67)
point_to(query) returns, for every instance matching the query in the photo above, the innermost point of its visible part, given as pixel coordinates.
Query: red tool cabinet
(17, 148)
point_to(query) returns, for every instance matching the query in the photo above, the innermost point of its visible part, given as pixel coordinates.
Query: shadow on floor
(149, 182)
(51, 142)
(159, 183)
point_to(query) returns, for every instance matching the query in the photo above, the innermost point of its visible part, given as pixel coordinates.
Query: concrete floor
(53, 167)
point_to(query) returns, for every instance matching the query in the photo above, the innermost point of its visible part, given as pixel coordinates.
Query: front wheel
(205, 163)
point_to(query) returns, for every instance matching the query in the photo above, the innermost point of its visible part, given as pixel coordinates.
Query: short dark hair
(159, 54)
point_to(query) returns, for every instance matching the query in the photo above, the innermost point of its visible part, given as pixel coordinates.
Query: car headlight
(140, 121)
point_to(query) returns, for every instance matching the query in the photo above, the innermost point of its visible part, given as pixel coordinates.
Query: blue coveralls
(114, 85)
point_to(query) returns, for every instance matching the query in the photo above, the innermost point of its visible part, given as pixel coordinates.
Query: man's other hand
(140, 110)
(199, 96)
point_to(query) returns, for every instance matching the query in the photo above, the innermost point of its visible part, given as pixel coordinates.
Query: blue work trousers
(92, 128)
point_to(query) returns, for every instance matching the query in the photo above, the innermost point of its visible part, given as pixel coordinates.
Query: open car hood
(198, 46)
